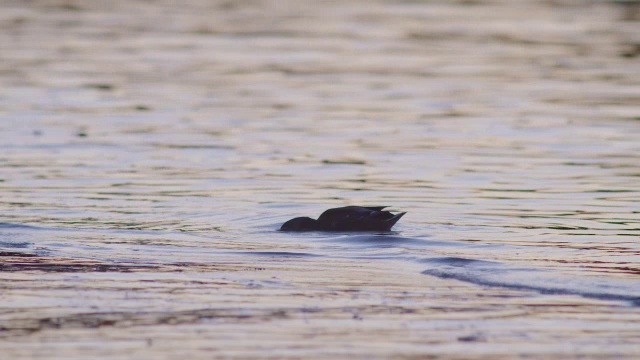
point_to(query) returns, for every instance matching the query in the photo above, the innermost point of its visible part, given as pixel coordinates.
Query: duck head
(300, 224)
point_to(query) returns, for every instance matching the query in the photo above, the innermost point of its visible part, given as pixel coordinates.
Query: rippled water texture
(149, 151)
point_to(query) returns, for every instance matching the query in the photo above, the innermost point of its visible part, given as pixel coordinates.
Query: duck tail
(394, 219)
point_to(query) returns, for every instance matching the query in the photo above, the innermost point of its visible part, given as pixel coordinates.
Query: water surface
(149, 153)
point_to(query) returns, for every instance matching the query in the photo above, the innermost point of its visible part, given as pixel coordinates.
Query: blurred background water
(154, 148)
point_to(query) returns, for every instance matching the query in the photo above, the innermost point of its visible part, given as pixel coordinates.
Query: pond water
(150, 152)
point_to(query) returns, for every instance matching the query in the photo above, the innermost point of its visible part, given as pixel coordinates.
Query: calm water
(149, 154)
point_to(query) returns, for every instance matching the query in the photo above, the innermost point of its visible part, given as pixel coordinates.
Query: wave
(490, 273)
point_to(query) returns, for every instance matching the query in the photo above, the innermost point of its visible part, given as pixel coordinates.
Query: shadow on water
(378, 239)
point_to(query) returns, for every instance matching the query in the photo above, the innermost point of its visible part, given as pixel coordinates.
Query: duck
(347, 218)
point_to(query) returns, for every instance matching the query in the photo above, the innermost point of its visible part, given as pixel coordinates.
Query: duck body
(348, 218)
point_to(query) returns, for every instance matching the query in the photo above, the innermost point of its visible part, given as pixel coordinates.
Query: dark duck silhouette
(348, 218)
